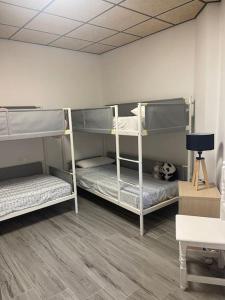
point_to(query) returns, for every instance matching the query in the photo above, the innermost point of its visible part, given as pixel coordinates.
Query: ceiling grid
(93, 26)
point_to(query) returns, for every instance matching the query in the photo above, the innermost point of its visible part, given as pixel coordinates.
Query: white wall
(206, 90)
(49, 77)
(157, 67)
(209, 82)
(220, 154)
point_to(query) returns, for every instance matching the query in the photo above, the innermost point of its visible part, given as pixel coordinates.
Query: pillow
(95, 162)
(135, 111)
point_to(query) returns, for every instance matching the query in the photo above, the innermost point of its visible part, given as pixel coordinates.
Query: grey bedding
(24, 192)
(104, 180)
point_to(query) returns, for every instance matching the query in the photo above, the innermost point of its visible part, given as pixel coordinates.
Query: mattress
(127, 123)
(25, 192)
(104, 180)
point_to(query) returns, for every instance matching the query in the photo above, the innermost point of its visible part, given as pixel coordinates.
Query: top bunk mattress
(104, 181)
(24, 192)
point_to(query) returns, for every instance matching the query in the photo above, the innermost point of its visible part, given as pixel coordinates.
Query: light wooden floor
(53, 254)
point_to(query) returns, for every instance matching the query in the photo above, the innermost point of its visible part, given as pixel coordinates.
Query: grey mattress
(24, 192)
(104, 180)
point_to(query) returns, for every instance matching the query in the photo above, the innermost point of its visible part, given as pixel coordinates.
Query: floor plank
(99, 268)
(142, 295)
(31, 266)
(65, 295)
(32, 294)
(101, 295)
(97, 255)
(66, 265)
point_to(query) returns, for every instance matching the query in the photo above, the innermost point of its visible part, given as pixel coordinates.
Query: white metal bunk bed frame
(68, 132)
(144, 211)
(140, 133)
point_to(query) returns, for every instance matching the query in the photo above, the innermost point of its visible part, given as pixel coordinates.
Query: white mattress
(104, 180)
(127, 123)
(24, 192)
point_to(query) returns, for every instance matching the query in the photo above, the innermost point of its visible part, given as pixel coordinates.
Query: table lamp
(200, 142)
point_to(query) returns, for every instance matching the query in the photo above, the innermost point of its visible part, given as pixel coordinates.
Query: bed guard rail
(166, 115)
(157, 116)
(96, 120)
(31, 123)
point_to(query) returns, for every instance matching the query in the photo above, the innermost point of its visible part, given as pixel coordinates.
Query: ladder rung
(127, 159)
(129, 183)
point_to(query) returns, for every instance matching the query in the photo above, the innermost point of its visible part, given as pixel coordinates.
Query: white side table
(201, 232)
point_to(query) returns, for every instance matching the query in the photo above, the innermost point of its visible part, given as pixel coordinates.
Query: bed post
(190, 130)
(117, 151)
(44, 162)
(140, 169)
(72, 157)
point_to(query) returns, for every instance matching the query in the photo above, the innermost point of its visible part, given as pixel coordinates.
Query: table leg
(183, 265)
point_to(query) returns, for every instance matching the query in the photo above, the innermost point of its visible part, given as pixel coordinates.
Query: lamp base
(199, 161)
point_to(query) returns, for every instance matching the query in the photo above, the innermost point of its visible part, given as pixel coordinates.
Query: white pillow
(135, 111)
(95, 162)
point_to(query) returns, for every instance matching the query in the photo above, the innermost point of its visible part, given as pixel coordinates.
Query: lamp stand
(199, 161)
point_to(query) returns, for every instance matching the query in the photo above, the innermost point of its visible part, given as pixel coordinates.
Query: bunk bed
(33, 186)
(116, 183)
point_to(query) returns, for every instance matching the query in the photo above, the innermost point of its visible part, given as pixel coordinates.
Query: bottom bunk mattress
(104, 180)
(25, 192)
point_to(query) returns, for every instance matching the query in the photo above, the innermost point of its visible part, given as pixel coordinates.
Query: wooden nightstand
(204, 203)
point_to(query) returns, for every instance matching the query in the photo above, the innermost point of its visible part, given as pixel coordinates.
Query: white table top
(200, 230)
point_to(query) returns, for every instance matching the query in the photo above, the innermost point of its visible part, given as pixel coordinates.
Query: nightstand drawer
(204, 207)
(204, 202)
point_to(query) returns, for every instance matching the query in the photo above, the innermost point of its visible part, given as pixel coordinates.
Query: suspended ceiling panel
(93, 26)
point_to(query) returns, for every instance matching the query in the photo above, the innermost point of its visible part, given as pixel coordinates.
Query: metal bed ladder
(138, 162)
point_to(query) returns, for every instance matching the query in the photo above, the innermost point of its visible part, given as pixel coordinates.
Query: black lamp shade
(200, 141)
